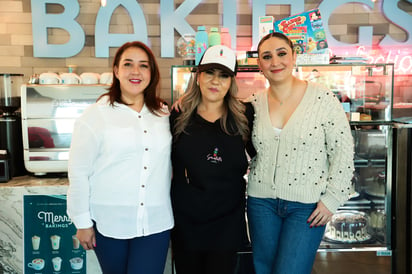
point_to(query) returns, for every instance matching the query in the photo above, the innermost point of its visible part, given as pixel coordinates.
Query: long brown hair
(233, 107)
(151, 99)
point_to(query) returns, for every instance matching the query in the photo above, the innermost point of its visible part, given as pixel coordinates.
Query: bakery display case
(364, 222)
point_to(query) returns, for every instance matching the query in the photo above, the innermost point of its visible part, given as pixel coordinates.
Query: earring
(295, 67)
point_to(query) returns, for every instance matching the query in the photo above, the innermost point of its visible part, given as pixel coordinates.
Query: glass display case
(365, 219)
(364, 222)
(366, 93)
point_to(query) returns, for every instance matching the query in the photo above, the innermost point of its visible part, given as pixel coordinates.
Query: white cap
(219, 57)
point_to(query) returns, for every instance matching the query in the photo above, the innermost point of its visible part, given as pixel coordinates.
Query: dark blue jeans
(282, 240)
(140, 255)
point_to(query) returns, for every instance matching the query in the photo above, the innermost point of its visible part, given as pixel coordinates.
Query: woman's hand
(320, 216)
(87, 238)
(176, 105)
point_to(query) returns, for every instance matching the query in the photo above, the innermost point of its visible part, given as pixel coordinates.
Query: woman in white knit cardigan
(304, 165)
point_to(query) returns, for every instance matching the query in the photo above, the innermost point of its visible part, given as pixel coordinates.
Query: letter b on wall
(42, 21)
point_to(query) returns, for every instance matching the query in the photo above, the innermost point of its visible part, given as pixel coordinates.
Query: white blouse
(120, 171)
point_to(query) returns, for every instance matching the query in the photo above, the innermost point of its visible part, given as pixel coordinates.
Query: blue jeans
(282, 240)
(140, 255)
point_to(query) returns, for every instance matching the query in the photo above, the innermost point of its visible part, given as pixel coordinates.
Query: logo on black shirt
(213, 157)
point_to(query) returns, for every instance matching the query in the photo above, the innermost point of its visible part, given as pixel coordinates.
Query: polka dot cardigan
(311, 159)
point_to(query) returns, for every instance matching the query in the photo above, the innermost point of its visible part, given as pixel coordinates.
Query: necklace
(280, 101)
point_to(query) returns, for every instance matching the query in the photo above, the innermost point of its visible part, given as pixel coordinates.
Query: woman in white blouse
(120, 169)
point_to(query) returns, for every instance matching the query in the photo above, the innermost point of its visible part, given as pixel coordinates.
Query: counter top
(35, 181)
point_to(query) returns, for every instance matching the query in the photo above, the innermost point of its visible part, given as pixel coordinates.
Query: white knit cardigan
(311, 160)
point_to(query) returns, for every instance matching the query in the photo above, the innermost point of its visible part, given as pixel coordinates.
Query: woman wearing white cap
(210, 133)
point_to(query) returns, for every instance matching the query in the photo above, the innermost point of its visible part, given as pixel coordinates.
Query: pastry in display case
(348, 227)
(378, 220)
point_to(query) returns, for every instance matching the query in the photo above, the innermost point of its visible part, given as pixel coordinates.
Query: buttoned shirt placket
(142, 183)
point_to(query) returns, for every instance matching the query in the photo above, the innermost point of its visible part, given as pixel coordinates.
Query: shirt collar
(104, 101)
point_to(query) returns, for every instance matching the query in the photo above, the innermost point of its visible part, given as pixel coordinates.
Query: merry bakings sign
(172, 19)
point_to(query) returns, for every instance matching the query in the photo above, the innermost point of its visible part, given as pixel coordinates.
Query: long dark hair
(152, 101)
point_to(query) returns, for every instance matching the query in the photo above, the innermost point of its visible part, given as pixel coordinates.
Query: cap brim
(209, 66)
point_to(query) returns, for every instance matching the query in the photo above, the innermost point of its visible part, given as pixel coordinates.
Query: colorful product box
(306, 32)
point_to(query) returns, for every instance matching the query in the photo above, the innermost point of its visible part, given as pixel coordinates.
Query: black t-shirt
(208, 186)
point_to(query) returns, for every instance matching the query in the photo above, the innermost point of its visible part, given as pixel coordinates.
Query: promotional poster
(50, 243)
